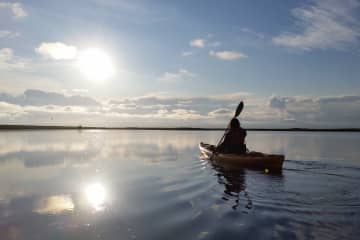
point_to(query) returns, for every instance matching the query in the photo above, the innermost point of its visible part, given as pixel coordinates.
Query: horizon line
(80, 127)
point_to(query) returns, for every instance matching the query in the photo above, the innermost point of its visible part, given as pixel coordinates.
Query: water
(153, 185)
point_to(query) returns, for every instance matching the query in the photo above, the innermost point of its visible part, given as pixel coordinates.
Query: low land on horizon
(58, 127)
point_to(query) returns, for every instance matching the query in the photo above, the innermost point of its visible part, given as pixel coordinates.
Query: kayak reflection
(233, 180)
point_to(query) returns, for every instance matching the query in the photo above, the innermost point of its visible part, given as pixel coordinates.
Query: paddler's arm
(223, 143)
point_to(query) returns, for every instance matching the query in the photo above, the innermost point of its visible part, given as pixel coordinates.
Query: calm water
(153, 185)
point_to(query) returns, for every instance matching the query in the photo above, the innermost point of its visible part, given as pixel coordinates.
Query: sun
(95, 64)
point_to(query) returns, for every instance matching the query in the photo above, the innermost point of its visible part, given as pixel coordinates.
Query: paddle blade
(239, 109)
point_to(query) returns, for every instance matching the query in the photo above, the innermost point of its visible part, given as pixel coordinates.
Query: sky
(179, 63)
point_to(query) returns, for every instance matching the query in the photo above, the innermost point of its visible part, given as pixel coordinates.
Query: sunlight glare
(96, 195)
(95, 64)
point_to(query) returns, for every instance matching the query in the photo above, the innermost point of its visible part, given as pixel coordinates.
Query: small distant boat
(256, 160)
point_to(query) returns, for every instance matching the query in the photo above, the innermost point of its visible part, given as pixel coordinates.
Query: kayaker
(234, 141)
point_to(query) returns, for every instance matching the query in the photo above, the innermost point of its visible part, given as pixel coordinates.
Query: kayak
(257, 160)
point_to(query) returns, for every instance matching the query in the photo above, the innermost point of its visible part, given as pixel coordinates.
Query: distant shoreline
(54, 127)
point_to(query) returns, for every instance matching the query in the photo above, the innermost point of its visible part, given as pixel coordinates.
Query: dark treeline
(54, 127)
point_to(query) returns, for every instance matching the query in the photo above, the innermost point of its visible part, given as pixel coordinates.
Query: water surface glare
(152, 185)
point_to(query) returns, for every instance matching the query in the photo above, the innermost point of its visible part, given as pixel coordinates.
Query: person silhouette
(234, 140)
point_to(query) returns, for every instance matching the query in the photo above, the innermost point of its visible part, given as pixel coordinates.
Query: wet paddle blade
(239, 109)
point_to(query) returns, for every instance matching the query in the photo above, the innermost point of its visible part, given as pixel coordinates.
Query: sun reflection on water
(96, 195)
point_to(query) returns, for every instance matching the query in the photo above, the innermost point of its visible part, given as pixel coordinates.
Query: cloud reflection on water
(54, 205)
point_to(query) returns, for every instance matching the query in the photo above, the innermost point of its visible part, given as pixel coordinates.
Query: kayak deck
(258, 160)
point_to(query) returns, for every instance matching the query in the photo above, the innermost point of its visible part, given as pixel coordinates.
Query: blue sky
(284, 59)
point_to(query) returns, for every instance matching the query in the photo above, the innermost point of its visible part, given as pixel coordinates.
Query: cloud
(276, 102)
(202, 43)
(222, 112)
(17, 9)
(320, 111)
(11, 111)
(253, 33)
(186, 54)
(6, 54)
(33, 97)
(8, 110)
(279, 102)
(228, 55)
(327, 24)
(40, 107)
(199, 43)
(75, 91)
(8, 34)
(236, 96)
(183, 114)
(57, 51)
(181, 74)
(339, 99)
(9, 61)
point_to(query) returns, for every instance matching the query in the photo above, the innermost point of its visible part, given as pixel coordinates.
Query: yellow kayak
(258, 160)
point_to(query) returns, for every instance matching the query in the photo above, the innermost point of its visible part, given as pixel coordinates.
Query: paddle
(237, 113)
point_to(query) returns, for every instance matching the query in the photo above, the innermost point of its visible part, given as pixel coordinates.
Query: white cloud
(326, 24)
(6, 54)
(57, 51)
(227, 55)
(186, 54)
(183, 114)
(202, 43)
(57, 109)
(80, 90)
(8, 34)
(17, 9)
(38, 97)
(8, 110)
(9, 61)
(253, 33)
(35, 106)
(222, 112)
(199, 43)
(39, 107)
(181, 74)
